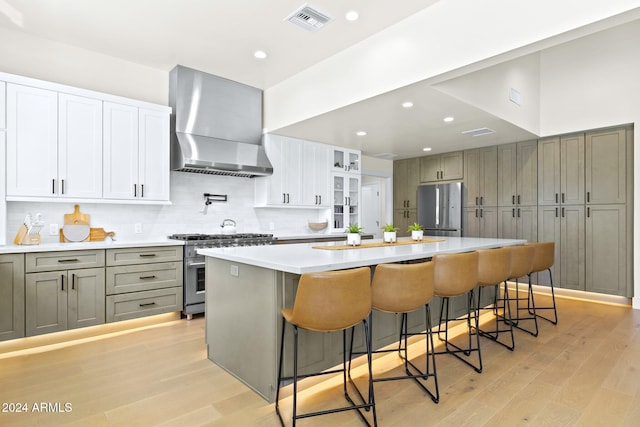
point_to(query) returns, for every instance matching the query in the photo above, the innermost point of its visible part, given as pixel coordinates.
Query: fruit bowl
(317, 226)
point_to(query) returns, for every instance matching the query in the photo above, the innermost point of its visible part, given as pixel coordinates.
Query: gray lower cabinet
(403, 219)
(61, 300)
(518, 223)
(607, 269)
(143, 282)
(11, 296)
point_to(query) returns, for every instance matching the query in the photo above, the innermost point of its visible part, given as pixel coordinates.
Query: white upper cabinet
(32, 141)
(136, 153)
(153, 154)
(315, 174)
(3, 105)
(79, 147)
(300, 174)
(66, 143)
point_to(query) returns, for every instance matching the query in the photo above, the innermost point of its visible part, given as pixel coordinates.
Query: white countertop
(301, 258)
(80, 246)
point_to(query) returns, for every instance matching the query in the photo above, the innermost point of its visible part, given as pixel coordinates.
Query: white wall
(43, 59)
(443, 37)
(591, 83)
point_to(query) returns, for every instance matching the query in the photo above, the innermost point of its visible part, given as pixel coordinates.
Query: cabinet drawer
(143, 277)
(67, 260)
(145, 303)
(130, 256)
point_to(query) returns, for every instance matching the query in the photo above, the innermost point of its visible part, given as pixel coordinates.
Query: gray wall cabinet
(442, 167)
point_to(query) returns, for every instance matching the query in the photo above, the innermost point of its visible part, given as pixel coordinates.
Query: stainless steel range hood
(216, 125)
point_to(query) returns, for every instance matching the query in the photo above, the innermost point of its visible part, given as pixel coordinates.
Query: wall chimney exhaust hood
(216, 125)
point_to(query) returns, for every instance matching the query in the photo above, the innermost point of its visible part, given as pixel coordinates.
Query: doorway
(373, 205)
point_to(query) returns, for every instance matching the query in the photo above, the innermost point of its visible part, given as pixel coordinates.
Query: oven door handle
(195, 264)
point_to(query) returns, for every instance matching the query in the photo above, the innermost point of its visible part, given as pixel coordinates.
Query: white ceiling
(220, 36)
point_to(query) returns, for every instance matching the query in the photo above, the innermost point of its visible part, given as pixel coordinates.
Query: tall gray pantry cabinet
(584, 183)
(480, 195)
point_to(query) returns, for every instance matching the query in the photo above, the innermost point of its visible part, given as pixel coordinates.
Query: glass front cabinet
(346, 161)
(346, 200)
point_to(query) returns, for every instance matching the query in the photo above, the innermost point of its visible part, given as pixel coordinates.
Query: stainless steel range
(194, 264)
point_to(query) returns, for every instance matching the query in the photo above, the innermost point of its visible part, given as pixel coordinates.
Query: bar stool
(543, 258)
(521, 265)
(405, 288)
(326, 302)
(494, 267)
(457, 275)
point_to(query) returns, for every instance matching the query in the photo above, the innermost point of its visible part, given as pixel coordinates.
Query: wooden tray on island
(378, 244)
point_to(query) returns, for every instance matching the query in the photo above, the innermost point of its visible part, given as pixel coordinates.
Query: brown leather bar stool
(326, 302)
(521, 265)
(457, 275)
(405, 288)
(494, 267)
(543, 259)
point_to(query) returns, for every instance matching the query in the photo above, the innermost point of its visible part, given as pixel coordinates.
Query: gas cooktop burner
(189, 237)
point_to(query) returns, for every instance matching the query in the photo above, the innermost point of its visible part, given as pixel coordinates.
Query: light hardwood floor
(583, 372)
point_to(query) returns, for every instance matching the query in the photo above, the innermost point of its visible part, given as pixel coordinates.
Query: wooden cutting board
(97, 234)
(76, 217)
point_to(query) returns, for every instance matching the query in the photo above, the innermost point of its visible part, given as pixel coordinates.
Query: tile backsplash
(186, 214)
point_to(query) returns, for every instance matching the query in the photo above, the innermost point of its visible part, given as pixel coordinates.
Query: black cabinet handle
(288, 200)
(562, 212)
(53, 186)
(518, 212)
(73, 281)
(481, 214)
(476, 200)
(62, 281)
(513, 199)
(556, 198)
(148, 304)
(513, 212)
(588, 197)
(556, 212)
(320, 199)
(63, 186)
(588, 212)
(147, 277)
(481, 200)
(141, 190)
(68, 260)
(518, 199)
(135, 190)
(147, 255)
(476, 213)
(284, 198)
(562, 197)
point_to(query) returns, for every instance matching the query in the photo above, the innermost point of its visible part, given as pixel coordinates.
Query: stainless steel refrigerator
(440, 209)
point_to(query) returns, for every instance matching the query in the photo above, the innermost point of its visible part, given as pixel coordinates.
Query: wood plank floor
(583, 372)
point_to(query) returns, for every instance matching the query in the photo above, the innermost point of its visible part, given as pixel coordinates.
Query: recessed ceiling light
(448, 119)
(361, 133)
(260, 54)
(407, 104)
(352, 15)
(426, 149)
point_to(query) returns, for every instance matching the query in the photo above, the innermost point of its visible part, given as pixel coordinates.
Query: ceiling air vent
(478, 132)
(309, 18)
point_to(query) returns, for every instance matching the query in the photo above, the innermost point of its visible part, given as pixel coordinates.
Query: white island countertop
(303, 258)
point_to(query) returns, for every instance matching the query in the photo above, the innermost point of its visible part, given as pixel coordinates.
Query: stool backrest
(402, 288)
(455, 274)
(332, 300)
(494, 266)
(521, 260)
(543, 255)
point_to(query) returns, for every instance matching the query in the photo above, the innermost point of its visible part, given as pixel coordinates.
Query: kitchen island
(248, 286)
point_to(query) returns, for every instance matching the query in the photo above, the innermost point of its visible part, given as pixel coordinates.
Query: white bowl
(317, 226)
